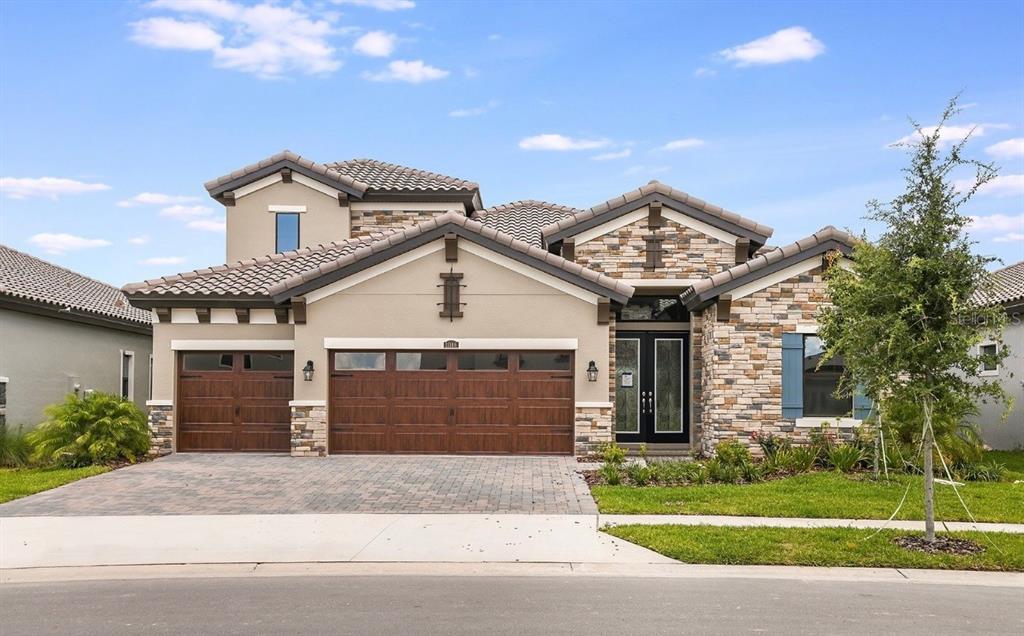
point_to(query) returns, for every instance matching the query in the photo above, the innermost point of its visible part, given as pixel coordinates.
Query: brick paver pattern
(185, 484)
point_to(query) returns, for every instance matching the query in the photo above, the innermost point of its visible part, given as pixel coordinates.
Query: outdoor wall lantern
(307, 371)
(592, 372)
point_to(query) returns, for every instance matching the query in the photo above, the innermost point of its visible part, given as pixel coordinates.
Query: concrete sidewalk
(795, 522)
(32, 542)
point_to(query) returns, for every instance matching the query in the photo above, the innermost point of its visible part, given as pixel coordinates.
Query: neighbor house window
(149, 391)
(127, 375)
(287, 232)
(820, 382)
(989, 351)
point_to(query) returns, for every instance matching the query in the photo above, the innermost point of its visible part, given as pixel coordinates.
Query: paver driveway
(279, 484)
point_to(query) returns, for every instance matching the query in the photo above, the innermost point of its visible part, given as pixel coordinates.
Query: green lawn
(818, 495)
(21, 482)
(1013, 460)
(832, 547)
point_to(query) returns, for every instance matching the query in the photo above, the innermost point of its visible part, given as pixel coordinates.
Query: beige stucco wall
(164, 358)
(251, 228)
(500, 303)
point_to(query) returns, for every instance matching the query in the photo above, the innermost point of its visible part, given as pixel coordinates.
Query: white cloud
(414, 72)
(155, 198)
(615, 154)
(705, 72)
(376, 44)
(1008, 149)
(787, 45)
(207, 225)
(266, 39)
(49, 187)
(60, 243)
(997, 223)
(947, 135)
(474, 112)
(168, 33)
(185, 211)
(1012, 237)
(142, 239)
(1006, 185)
(552, 141)
(163, 260)
(380, 5)
(682, 144)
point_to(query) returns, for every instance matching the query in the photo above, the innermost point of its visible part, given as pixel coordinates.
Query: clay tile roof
(1007, 286)
(609, 207)
(31, 279)
(440, 223)
(524, 219)
(391, 177)
(328, 173)
(826, 238)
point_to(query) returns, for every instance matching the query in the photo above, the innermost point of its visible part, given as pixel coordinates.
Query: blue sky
(781, 112)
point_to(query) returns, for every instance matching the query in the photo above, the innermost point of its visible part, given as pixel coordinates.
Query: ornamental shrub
(97, 428)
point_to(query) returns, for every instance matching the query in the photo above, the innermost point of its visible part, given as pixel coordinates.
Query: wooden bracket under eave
(242, 315)
(451, 248)
(654, 219)
(742, 250)
(228, 199)
(281, 314)
(724, 307)
(203, 313)
(163, 314)
(299, 310)
(343, 199)
(569, 249)
(604, 311)
(286, 175)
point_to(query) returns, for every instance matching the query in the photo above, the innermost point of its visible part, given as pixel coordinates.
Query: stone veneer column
(309, 430)
(161, 428)
(595, 425)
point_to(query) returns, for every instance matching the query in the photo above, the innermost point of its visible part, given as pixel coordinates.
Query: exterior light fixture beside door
(307, 371)
(592, 372)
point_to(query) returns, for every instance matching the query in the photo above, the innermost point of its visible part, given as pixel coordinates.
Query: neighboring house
(999, 433)
(62, 332)
(368, 307)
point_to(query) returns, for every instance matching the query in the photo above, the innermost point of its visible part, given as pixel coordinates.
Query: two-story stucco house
(369, 307)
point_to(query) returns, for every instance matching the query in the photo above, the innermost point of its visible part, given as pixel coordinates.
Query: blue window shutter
(792, 375)
(861, 404)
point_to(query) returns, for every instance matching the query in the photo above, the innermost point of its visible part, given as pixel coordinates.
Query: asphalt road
(505, 605)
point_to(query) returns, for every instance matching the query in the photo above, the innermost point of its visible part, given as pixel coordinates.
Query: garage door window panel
(421, 361)
(207, 361)
(545, 361)
(483, 361)
(268, 362)
(360, 361)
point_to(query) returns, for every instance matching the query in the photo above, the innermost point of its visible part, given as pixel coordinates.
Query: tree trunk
(929, 475)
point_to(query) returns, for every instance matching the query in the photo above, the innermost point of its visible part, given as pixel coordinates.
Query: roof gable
(669, 197)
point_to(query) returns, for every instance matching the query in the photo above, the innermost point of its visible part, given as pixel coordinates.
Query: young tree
(905, 314)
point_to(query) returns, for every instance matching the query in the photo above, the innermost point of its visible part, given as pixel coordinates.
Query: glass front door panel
(668, 385)
(627, 385)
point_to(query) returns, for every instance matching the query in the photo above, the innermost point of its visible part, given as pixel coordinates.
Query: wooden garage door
(494, 402)
(234, 401)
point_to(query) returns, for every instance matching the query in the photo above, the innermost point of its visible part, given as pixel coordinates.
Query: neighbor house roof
(1007, 286)
(273, 279)
(524, 219)
(27, 280)
(827, 239)
(672, 198)
(359, 178)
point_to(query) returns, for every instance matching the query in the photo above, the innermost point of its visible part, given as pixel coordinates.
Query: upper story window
(287, 232)
(820, 382)
(652, 309)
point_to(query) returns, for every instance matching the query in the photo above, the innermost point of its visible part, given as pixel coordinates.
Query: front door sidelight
(652, 386)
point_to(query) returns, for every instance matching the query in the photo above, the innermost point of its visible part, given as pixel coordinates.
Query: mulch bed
(941, 545)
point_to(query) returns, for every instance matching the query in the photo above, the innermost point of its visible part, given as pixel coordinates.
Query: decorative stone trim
(309, 431)
(366, 222)
(593, 428)
(161, 429)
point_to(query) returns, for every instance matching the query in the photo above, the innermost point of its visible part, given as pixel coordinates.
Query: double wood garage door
(498, 402)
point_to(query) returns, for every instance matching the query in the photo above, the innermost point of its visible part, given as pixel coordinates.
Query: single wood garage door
(234, 401)
(488, 402)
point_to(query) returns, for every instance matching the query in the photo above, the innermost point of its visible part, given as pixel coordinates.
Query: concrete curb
(555, 569)
(793, 522)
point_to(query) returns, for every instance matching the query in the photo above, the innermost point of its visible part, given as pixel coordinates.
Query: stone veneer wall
(596, 425)
(161, 430)
(309, 431)
(742, 361)
(367, 221)
(686, 253)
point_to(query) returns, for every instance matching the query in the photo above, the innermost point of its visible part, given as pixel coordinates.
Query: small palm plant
(95, 429)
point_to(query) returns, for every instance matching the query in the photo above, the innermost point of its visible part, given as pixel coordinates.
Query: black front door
(652, 386)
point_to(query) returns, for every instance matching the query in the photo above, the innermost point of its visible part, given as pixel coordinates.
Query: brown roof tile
(524, 219)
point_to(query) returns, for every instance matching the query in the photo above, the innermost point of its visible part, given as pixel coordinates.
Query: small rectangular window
(127, 375)
(421, 361)
(359, 361)
(544, 361)
(989, 351)
(287, 232)
(268, 362)
(207, 361)
(149, 394)
(483, 361)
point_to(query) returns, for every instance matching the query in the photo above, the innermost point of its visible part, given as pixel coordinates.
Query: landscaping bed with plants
(83, 436)
(824, 547)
